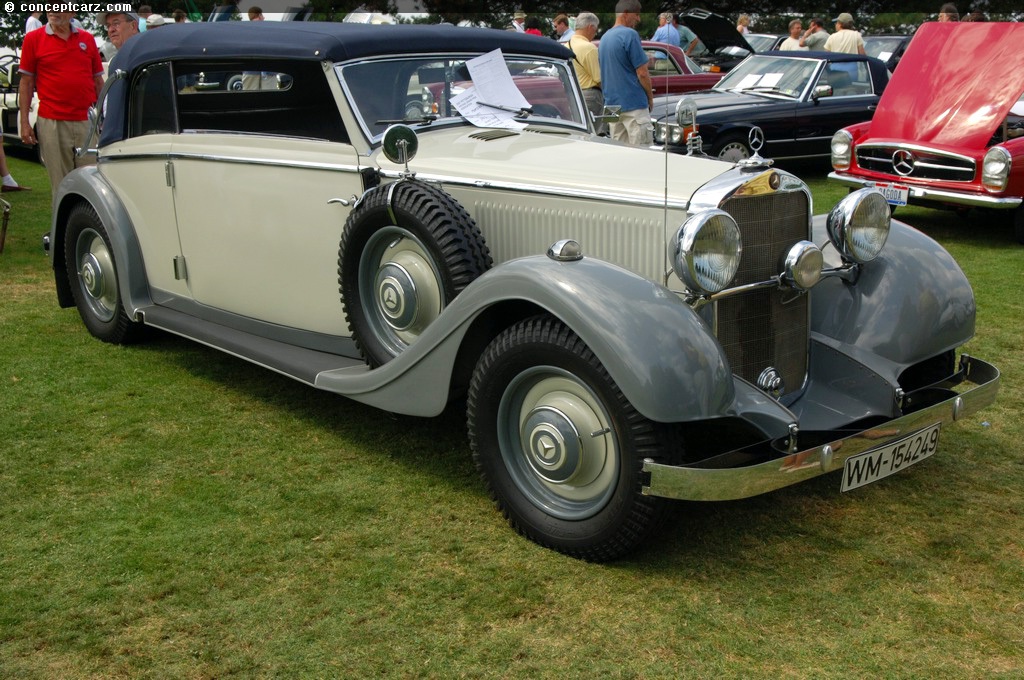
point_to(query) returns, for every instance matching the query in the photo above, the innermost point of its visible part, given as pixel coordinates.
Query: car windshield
(882, 47)
(783, 76)
(761, 43)
(419, 90)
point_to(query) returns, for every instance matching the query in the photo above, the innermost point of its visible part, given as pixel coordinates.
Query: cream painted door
(258, 233)
(137, 170)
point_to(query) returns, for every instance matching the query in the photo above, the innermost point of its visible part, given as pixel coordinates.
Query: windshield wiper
(765, 88)
(425, 119)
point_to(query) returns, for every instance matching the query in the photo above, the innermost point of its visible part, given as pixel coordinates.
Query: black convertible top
(312, 41)
(321, 41)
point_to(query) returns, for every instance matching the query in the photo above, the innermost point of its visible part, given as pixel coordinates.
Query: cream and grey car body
(616, 343)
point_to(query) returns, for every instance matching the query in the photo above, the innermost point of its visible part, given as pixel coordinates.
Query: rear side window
(152, 104)
(263, 97)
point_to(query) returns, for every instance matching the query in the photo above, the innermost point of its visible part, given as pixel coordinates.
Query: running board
(295, 362)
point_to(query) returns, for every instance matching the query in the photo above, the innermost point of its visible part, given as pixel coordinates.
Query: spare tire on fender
(407, 250)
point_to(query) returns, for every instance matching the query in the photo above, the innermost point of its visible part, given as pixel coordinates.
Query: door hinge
(180, 270)
(169, 173)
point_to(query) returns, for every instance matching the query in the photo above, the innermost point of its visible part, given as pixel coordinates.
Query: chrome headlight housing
(859, 225)
(707, 251)
(842, 150)
(995, 169)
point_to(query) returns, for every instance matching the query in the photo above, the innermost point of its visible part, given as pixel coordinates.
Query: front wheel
(559, 446)
(733, 149)
(92, 273)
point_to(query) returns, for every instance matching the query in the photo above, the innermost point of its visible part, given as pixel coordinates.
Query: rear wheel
(559, 446)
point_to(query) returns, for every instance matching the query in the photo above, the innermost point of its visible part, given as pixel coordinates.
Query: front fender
(910, 303)
(662, 356)
(88, 185)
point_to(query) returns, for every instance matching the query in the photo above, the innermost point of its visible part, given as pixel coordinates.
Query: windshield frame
(348, 72)
(746, 68)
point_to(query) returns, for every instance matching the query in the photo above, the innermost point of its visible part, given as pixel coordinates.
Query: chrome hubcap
(552, 444)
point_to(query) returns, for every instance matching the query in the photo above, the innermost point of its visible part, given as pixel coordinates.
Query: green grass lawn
(169, 511)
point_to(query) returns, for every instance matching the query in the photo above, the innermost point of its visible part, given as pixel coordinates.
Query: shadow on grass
(695, 536)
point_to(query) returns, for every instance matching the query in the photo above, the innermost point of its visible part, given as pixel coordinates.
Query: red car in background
(672, 72)
(949, 129)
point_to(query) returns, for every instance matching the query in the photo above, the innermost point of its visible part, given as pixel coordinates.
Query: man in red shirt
(62, 64)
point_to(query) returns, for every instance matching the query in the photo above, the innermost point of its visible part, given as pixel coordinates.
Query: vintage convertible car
(946, 134)
(623, 331)
(799, 100)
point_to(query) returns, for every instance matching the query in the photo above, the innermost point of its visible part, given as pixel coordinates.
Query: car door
(852, 101)
(135, 167)
(264, 179)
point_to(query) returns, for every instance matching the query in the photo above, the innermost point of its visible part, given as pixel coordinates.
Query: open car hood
(955, 85)
(714, 30)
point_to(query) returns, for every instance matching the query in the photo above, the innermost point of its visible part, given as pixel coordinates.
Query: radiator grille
(766, 327)
(915, 163)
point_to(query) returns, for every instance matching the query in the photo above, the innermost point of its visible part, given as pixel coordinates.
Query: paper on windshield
(493, 91)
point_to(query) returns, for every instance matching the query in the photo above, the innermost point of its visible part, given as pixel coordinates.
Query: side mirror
(686, 112)
(821, 91)
(400, 144)
(610, 114)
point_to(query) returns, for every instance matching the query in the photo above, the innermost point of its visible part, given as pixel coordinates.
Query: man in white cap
(518, 19)
(120, 26)
(155, 21)
(845, 39)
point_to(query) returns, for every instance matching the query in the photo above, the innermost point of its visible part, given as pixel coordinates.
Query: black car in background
(887, 48)
(798, 99)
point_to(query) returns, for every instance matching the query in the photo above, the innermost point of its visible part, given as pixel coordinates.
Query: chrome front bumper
(730, 483)
(927, 194)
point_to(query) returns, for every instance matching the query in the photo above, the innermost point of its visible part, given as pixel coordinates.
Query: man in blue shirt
(666, 32)
(625, 81)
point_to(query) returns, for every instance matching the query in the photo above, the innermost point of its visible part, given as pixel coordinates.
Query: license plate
(895, 194)
(871, 466)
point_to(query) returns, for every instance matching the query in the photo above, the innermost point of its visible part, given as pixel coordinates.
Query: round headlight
(859, 225)
(677, 134)
(842, 145)
(803, 264)
(995, 169)
(707, 252)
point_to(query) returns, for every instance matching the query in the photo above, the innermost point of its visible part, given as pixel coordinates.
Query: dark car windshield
(783, 76)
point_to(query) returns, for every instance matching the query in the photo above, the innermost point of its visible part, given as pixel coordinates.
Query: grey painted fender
(87, 184)
(910, 303)
(662, 356)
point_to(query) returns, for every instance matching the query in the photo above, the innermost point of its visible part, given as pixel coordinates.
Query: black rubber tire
(92, 275)
(728, 140)
(522, 381)
(434, 233)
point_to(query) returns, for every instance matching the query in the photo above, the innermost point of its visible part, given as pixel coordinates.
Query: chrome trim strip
(654, 201)
(940, 195)
(704, 484)
(915, 147)
(179, 155)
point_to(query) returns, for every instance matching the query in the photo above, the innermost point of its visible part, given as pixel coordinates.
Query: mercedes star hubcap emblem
(903, 162)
